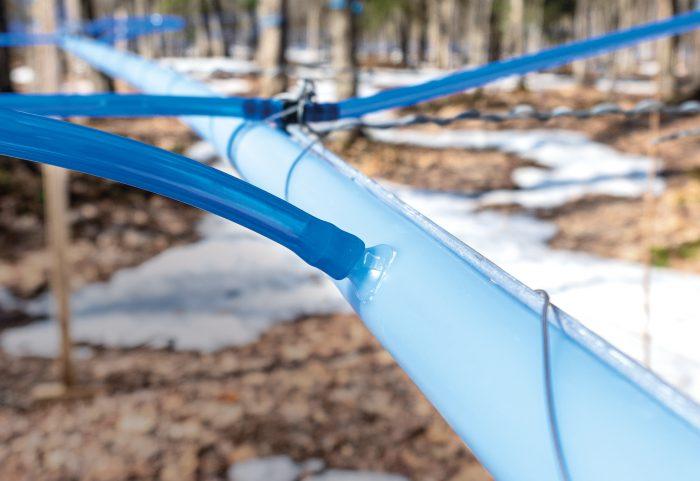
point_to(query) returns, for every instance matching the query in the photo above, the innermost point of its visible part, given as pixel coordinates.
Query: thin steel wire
(525, 112)
(549, 391)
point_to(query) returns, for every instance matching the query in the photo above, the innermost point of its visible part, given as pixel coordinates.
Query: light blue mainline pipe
(41, 139)
(466, 332)
(554, 57)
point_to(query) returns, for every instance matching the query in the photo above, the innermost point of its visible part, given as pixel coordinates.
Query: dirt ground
(317, 388)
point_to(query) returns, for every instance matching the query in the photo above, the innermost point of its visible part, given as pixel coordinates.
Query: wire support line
(524, 112)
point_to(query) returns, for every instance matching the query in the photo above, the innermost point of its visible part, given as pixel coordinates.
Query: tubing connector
(369, 273)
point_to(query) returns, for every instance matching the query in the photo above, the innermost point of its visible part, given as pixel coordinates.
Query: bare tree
(5, 63)
(314, 16)
(583, 69)
(343, 29)
(478, 25)
(418, 32)
(667, 52)
(89, 11)
(440, 31)
(514, 35)
(272, 47)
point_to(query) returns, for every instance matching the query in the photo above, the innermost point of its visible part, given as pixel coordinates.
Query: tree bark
(583, 69)
(478, 27)
(313, 25)
(514, 37)
(667, 52)
(273, 44)
(343, 50)
(419, 33)
(5, 59)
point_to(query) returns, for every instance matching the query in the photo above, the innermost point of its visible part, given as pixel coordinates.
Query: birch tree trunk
(273, 43)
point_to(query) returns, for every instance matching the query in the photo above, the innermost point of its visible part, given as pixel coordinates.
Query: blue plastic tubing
(41, 139)
(466, 332)
(107, 29)
(136, 105)
(554, 57)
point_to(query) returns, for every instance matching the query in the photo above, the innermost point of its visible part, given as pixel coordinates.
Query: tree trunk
(583, 69)
(5, 63)
(667, 51)
(534, 24)
(313, 25)
(514, 38)
(197, 17)
(419, 33)
(440, 18)
(625, 61)
(101, 81)
(478, 26)
(224, 29)
(404, 33)
(495, 37)
(253, 37)
(214, 30)
(273, 44)
(343, 50)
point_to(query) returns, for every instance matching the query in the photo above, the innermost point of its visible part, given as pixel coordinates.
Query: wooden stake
(55, 181)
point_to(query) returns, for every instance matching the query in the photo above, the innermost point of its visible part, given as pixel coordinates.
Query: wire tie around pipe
(549, 390)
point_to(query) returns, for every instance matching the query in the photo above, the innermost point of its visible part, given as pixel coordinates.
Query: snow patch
(282, 468)
(572, 165)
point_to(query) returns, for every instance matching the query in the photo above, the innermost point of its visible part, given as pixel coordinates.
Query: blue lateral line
(140, 105)
(554, 57)
(40, 139)
(258, 109)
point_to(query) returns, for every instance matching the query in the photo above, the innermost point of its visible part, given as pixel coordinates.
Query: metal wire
(681, 134)
(526, 112)
(549, 391)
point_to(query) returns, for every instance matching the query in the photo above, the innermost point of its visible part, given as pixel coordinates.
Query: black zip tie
(549, 391)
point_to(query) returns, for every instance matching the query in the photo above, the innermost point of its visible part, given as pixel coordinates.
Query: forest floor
(313, 388)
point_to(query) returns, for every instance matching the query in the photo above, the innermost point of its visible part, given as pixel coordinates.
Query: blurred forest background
(407, 33)
(196, 351)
